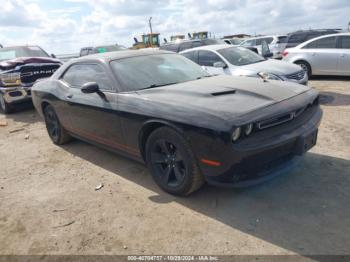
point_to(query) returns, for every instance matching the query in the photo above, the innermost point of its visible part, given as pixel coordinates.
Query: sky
(64, 26)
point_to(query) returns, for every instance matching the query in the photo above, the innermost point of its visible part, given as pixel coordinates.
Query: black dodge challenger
(162, 109)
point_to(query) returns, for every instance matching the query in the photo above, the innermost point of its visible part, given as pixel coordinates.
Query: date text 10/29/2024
(173, 258)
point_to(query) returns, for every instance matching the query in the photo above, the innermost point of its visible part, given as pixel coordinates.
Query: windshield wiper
(158, 85)
(200, 77)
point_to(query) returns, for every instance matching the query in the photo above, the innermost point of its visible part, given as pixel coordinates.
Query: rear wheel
(56, 131)
(305, 66)
(5, 107)
(172, 163)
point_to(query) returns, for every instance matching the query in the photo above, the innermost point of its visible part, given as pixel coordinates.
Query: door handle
(69, 96)
(342, 55)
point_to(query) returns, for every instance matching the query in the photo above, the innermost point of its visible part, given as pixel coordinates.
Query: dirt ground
(48, 202)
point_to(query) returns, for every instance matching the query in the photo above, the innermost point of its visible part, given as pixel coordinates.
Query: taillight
(285, 53)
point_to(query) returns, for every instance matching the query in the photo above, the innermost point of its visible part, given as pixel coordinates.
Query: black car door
(93, 116)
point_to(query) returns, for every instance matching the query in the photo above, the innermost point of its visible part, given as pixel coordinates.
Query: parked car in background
(239, 61)
(298, 37)
(100, 49)
(161, 109)
(233, 41)
(20, 67)
(187, 44)
(324, 55)
(277, 44)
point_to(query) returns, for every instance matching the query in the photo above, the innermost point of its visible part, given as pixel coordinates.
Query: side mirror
(91, 87)
(265, 50)
(53, 56)
(220, 65)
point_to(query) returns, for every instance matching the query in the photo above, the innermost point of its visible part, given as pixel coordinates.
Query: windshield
(8, 53)
(148, 71)
(240, 56)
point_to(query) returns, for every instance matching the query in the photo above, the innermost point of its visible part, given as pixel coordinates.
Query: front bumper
(265, 155)
(16, 94)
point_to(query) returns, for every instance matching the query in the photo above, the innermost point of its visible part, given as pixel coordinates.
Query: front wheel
(5, 107)
(57, 133)
(172, 163)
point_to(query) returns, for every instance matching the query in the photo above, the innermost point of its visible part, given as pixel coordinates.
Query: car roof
(189, 40)
(320, 37)
(109, 56)
(314, 31)
(209, 47)
(264, 36)
(20, 46)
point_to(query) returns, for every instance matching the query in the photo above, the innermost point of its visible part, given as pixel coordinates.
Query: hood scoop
(221, 93)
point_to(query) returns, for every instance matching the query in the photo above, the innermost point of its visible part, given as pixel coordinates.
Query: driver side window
(79, 74)
(207, 58)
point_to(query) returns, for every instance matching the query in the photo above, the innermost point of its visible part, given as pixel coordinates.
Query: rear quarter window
(345, 42)
(327, 42)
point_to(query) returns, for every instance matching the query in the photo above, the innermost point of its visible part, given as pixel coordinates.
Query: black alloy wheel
(172, 163)
(168, 162)
(56, 132)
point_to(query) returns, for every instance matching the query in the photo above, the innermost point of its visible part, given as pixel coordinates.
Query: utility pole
(150, 27)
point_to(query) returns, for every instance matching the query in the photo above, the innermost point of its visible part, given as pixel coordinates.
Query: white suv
(277, 43)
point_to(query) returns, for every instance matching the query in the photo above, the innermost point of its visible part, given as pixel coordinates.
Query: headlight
(236, 134)
(248, 129)
(269, 76)
(11, 79)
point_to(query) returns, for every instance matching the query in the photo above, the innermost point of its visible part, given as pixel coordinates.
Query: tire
(172, 163)
(57, 133)
(306, 67)
(4, 107)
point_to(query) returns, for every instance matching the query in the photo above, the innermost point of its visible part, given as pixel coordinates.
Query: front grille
(296, 76)
(278, 120)
(31, 73)
(275, 121)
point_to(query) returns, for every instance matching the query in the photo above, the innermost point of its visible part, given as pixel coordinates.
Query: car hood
(273, 66)
(225, 97)
(10, 64)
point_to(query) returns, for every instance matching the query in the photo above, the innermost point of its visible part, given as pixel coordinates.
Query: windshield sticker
(102, 50)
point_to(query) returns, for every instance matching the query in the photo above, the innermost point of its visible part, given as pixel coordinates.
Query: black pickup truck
(20, 67)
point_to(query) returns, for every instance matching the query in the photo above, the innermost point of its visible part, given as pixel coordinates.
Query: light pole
(150, 27)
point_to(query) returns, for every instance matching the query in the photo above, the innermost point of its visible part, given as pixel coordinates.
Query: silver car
(239, 61)
(324, 55)
(277, 43)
